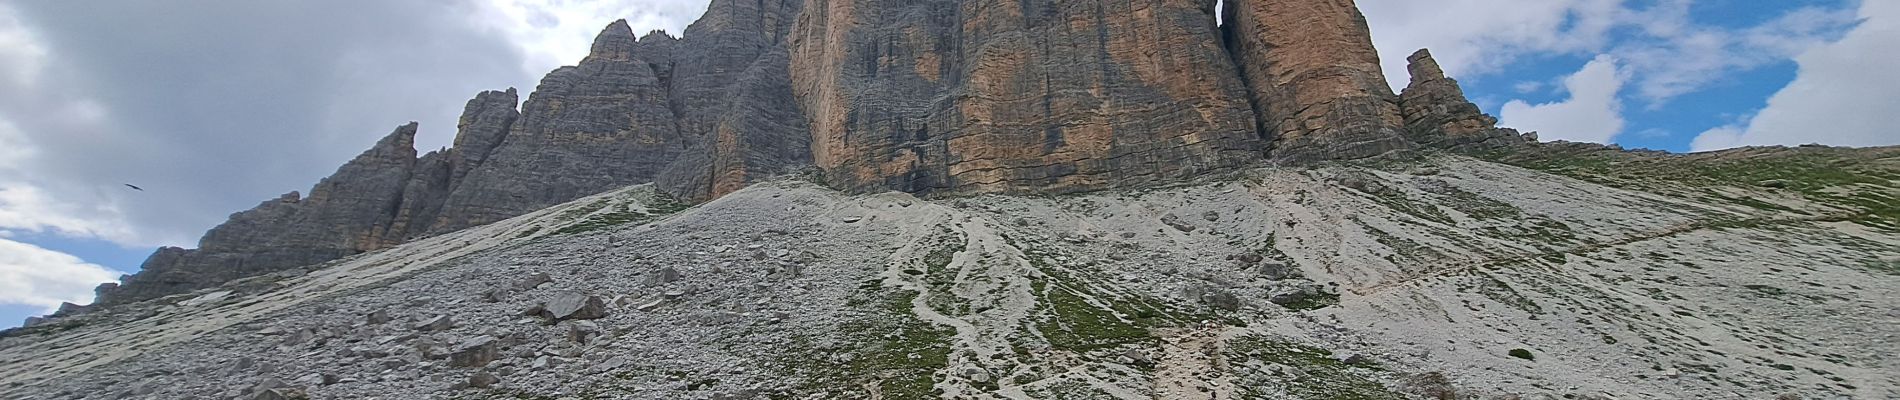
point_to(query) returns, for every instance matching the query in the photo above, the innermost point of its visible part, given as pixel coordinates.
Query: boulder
(575, 305)
(476, 352)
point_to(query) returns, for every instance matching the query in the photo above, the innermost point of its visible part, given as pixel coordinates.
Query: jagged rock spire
(615, 42)
(1437, 114)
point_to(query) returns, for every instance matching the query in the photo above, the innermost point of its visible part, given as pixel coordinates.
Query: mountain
(935, 97)
(1010, 199)
(1567, 271)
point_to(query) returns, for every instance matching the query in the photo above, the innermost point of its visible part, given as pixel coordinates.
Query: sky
(214, 106)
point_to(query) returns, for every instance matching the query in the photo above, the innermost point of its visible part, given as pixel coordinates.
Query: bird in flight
(135, 187)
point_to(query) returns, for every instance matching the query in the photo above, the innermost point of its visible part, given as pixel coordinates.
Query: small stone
(378, 317)
(437, 324)
(852, 220)
(1277, 271)
(282, 394)
(533, 281)
(1211, 216)
(482, 380)
(977, 374)
(1356, 359)
(651, 305)
(663, 276)
(1136, 356)
(1175, 222)
(581, 331)
(318, 379)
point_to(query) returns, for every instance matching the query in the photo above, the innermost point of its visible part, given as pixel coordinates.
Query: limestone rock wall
(1315, 79)
(599, 125)
(1017, 95)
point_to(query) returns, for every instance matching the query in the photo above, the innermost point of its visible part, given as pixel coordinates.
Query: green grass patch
(1315, 373)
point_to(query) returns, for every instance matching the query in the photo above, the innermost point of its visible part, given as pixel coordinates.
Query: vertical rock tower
(1315, 79)
(1017, 95)
(1437, 114)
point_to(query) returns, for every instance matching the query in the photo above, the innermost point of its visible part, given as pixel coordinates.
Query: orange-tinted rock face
(1315, 78)
(1017, 95)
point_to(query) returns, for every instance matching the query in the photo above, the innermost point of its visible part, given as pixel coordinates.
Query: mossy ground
(1307, 373)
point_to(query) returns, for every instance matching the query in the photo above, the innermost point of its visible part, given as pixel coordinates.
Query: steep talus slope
(34, 355)
(1381, 279)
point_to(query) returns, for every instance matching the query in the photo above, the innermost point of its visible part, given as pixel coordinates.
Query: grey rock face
(730, 89)
(1437, 114)
(347, 213)
(602, 124)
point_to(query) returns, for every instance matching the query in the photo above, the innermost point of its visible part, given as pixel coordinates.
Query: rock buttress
(731, 91)
(1315, 79)
(1437, 113)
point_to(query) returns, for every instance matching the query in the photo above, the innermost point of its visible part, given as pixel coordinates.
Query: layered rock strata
(1315, 79)
(1437, 114)
(1017, 95)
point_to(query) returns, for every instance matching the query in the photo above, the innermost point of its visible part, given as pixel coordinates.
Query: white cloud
(21, 57)
(1511, 29)
(27, 208)
(1681, 58)
(1660, 46)
(1593, 112)
(553, 33)
(1843, 95)
(34, 276)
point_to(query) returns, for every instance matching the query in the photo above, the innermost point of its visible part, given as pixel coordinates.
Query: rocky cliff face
(733, 99)
(349, 212)
(1437, 114)
(1315, 78)
(601, 124)
(1017, 95)
(935, 96)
